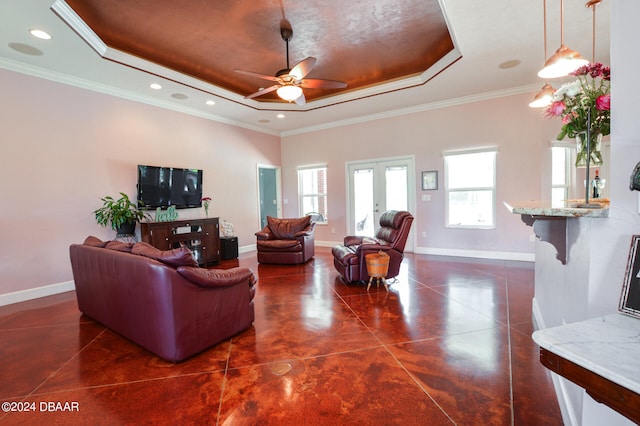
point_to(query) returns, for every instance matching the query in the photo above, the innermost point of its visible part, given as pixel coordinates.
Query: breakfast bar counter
(549, 219)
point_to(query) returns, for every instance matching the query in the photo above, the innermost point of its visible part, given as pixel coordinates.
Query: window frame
(492, 188)
(302, 196)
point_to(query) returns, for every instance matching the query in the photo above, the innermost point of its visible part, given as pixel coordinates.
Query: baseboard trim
(480, 254)
(49, 290)
(35, 293)
(567, 410)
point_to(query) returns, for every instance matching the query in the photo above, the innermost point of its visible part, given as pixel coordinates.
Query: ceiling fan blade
(257, 75)
(315, 83)
(302, 68)
(262, 92)
(301, 100)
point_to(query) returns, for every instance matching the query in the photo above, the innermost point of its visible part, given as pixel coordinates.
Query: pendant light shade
(564, 60)
(561, 63)
(543, 97)
(289, 93)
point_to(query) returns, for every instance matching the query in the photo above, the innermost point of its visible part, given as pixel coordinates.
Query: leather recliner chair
(391, 238)
(286, 241)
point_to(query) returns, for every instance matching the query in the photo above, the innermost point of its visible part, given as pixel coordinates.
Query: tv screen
(169, 186)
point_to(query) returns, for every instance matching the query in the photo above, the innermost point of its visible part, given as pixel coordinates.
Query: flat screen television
(169, 186)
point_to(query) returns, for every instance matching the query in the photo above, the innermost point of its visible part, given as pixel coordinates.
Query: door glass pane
(363, 201)
(396, 188)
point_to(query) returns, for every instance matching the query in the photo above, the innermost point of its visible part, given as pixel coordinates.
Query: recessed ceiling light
(280, 115)
(179, 96)
(210, 102)
(40, 34)
(264, 120)
(509, 64)
(155, 86)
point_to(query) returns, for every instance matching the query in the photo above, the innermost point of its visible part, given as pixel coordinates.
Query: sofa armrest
(264, 234)
(305, 232)
(371, 248)
(216, 277)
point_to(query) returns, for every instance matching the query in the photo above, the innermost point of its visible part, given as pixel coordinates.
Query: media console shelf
(202, 236)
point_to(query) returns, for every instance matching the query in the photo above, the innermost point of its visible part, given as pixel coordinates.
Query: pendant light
(542, 99)
(564, 60)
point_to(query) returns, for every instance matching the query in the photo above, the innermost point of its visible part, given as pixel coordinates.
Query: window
(312, 190)
(470, 185)
(560, 174)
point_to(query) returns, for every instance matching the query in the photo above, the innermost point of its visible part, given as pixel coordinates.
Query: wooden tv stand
(202, 236)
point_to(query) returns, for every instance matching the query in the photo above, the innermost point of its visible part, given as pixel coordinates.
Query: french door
(268, 192)
(375, 187)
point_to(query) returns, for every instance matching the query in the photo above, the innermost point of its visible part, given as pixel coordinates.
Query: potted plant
(122, 214)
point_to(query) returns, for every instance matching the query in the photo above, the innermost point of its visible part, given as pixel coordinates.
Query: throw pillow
(94, 242)
(181, 256)
(285, 229)
(119, 246)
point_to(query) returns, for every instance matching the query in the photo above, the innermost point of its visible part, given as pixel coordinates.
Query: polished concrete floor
(449, 344)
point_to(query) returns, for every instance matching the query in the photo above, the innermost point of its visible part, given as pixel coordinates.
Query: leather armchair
(391, 238)
(286, 241)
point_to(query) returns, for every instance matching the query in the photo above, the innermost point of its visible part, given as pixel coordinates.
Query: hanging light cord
(593, 4)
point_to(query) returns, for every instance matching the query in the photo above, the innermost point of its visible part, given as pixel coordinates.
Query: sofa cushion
(287, 228)
(279, 245)
(119, 246)
(181, 256)
(94, 242)
(216, 277)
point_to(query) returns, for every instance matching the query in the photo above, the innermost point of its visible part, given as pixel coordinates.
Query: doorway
(375, 186)
(268, 193)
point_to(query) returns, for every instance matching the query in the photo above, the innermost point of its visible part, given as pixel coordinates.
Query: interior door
(375, 187)
(268, 192)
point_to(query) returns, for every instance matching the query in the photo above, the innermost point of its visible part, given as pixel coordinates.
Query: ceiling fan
(291, 81)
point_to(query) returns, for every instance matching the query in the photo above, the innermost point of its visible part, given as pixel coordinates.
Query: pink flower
(555, 109)
(603, 102)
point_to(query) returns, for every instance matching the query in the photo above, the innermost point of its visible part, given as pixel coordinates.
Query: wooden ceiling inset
(363, 43)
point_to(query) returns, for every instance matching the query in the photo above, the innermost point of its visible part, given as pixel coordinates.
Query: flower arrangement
(588, 95)
(205, 202)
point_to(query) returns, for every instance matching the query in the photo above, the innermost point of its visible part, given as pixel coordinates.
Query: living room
(66, 147)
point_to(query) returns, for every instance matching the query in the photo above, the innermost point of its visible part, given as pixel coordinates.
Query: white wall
(520, 133)
(591, 283)
(64, 148)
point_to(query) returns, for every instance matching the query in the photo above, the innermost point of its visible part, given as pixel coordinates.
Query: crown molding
(414, 109)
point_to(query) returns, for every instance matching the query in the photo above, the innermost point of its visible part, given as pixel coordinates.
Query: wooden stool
(377, 268)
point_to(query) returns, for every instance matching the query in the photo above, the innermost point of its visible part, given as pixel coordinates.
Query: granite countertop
(608, 346)
(567, 208)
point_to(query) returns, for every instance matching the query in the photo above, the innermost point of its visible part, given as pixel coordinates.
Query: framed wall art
(630, 297)
(430, 180)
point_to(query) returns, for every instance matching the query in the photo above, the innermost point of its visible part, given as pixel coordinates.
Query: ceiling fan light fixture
(289, 92)
(562, 63)
(543, 98)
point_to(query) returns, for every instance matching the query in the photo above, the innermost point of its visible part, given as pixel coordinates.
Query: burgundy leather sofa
(161, 300)
(286, 241)
(391, 238)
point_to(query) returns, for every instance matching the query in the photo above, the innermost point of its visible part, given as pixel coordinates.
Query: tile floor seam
(64, 364)
(417, 382)
(126, 383)
(224, 381)
(510, 352)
